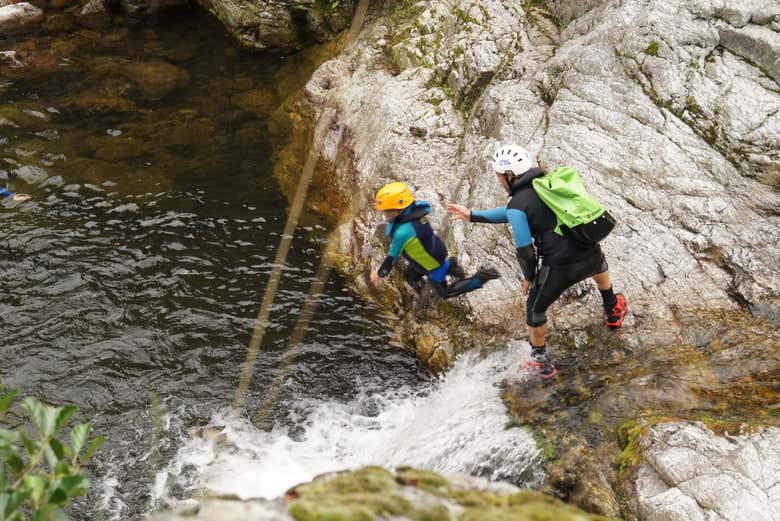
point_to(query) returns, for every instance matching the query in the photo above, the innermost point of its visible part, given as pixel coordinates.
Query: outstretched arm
(494, 215)
(521, 232)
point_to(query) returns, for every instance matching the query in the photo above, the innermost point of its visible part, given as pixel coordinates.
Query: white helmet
(512, 158)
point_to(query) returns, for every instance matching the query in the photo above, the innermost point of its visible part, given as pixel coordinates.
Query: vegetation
(652, 48)
(39, 474)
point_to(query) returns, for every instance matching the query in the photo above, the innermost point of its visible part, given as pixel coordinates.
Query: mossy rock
(156, 79)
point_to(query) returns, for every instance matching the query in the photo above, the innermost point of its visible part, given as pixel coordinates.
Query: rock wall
(670, 111)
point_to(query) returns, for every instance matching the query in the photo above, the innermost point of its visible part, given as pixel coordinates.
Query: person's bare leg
(537, 335)
(603, 280)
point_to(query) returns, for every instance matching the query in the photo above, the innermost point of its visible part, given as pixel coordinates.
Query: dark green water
(132, 278)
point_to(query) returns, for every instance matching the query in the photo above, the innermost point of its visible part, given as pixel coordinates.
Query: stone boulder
(668, 115)
(373, 493)
(281, 24)
(95, 15)
(18, 18)
(691, 474)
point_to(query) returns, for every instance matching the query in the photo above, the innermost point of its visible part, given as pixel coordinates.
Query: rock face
(691, 474)
(281, 24)
(671, 112)
(19, 17)
(375, 493)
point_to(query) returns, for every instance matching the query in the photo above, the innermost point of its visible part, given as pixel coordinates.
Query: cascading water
(456, 424)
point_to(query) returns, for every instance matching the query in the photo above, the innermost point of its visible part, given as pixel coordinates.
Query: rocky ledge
(373, 493)
(670, 112)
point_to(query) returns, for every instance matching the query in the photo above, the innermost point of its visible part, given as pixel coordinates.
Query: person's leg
(615, 304)
(413, 277)
(459, 287)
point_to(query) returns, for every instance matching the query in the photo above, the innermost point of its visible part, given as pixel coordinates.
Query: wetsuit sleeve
(494, 215)
(5, 192)
(526, 254)
(401, 236)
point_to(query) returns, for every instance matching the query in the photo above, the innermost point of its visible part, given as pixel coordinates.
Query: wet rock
(61, 4)
(19, 18)
(59, 23)
(31, 174)
(97, 103)
(95, 15)
(156, 79)
(280, 24)
(690, 473)
(108, 148)
(4, 3)
(139, 10)
(257, 101)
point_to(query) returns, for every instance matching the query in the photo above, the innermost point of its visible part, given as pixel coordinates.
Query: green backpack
(581, 218)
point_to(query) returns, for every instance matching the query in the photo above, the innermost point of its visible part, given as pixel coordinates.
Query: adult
(550, 263)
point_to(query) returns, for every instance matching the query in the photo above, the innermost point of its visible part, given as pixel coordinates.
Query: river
(132, 279)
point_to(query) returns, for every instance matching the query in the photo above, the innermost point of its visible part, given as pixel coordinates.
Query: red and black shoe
(614, 316)
(541, 366)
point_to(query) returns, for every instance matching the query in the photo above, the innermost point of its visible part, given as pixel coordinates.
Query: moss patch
(652, 48)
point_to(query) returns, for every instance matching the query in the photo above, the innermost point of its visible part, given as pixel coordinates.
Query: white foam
(456, 425)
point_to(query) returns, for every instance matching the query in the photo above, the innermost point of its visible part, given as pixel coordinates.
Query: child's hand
(374, 277)
(459, 212)
(526, 288)
(20, 197)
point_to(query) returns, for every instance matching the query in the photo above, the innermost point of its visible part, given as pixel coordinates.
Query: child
(414, 238)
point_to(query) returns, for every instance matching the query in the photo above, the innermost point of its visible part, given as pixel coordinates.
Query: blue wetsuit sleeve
(401, 236)
(520, 230)
(5, 192)
(494, 215)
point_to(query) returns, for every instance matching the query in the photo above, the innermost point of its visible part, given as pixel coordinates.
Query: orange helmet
(394, 196)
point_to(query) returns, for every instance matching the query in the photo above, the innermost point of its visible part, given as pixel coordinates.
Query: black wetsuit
(563, 263)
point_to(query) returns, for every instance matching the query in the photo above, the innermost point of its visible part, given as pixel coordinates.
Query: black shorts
(551, 281)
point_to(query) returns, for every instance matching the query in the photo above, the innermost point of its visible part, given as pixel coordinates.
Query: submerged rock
(19, 17)
(156, 79)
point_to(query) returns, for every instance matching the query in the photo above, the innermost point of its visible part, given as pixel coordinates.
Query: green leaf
(74, 485)
(67, 451)
(8, 440)
(4, 499)
(15, 463)
(36, 485)
(59, 515)
(57, 448)
(6, 398)
(43, 416)
(63, 415)
(97, 441)
(29, 444)
(50, 457)
(58, 497)
(78, 437)
(61, 469)
(17, 498)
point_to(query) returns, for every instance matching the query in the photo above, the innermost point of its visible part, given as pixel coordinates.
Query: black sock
(608, 297)
(538, 350)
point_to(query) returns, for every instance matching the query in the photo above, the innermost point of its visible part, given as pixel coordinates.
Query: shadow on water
(132, 280)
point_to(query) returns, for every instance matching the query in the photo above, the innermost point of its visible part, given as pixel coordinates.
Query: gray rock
(19, 18)
(31, 174)
(95, 15)
(279, 24)
(673, 133)
(692, 474)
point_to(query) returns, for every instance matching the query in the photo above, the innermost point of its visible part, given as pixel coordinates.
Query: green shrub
(39, 474)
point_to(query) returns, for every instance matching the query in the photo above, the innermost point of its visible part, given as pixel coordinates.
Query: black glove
(386, 266)
(526, 255)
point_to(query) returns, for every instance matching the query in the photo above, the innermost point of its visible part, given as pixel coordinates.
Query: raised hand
(459, 212)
